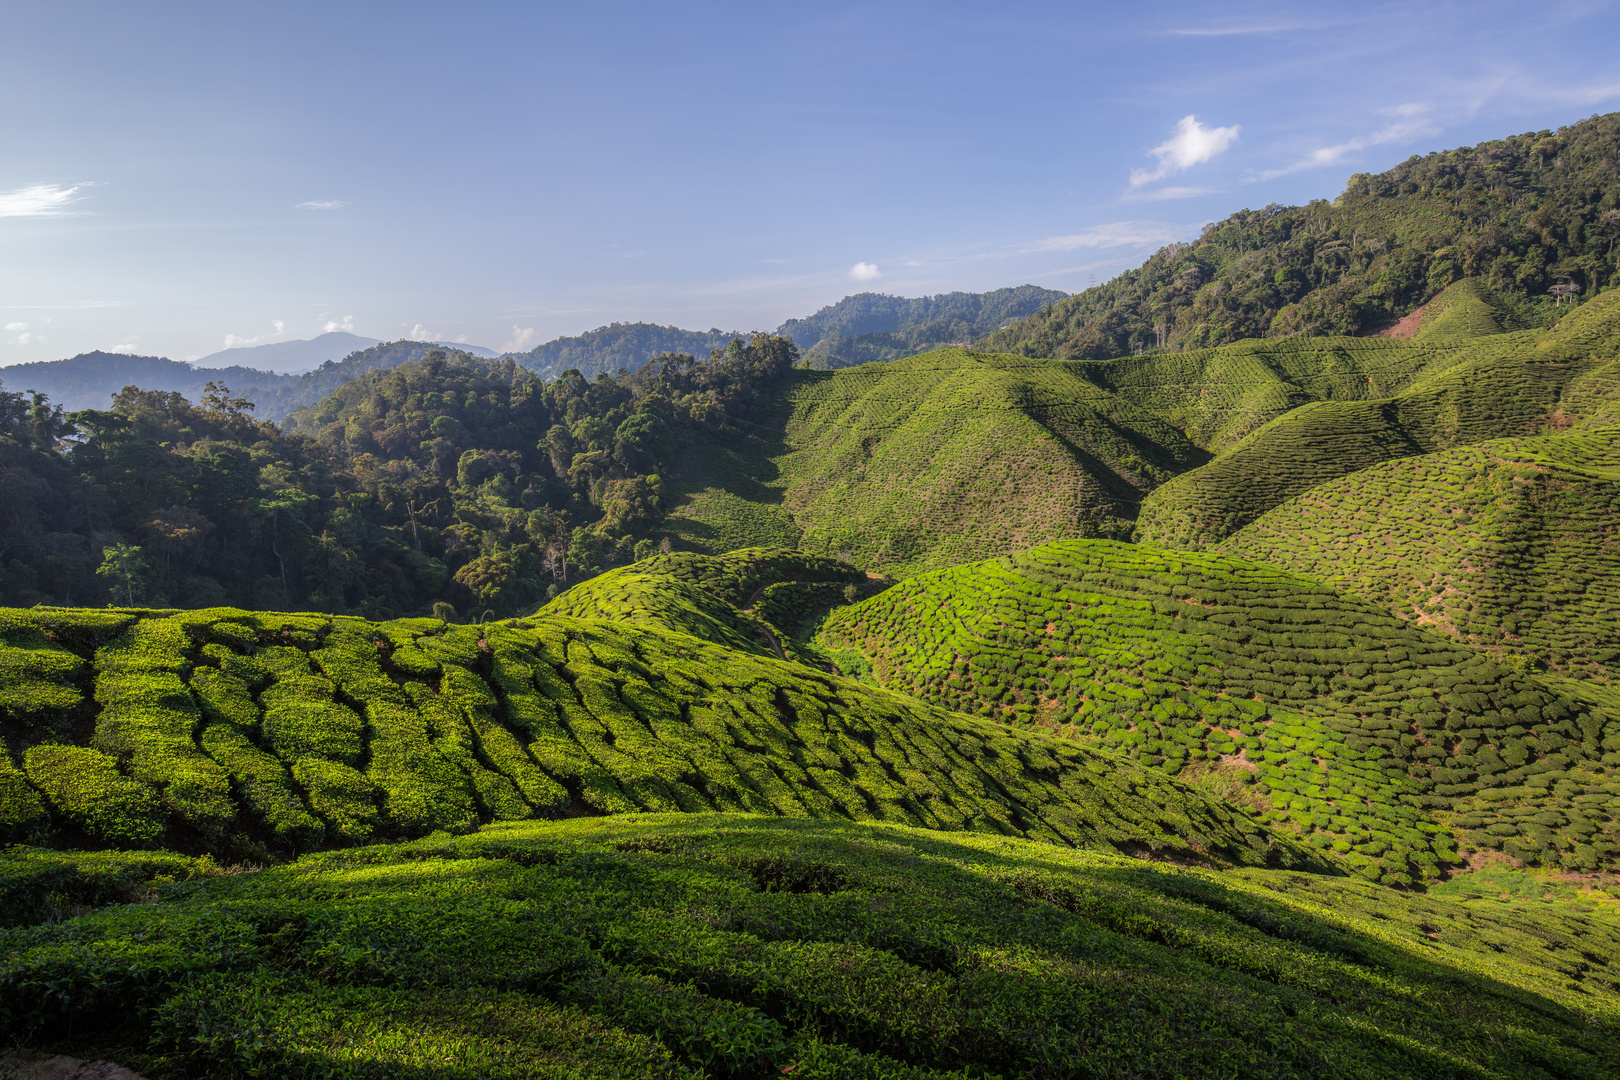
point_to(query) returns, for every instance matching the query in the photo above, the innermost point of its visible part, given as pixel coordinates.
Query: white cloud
(346, 325)
(128, 347)
(1407, 122)
(418, 333)
(1115, 234)
(318, 204)
(1191, 144)
(631, 254)
(865, 271)
(1162, 194)
(522, 338)
(25, 336)
(237, 341)
(40, 200)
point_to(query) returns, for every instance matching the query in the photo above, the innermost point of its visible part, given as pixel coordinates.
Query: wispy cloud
(1191, 144)
(1234, 31)
(41, 200)
(318, 204)
(331, 325)
(126, 347)
(522, 338)
(1163, 194)
(865, 271)
(418, 333)
(1115, 234)
(238, 341)
(1408, 122)
(77, 305)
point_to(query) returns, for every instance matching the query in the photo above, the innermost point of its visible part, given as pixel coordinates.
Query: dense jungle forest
(449, 481)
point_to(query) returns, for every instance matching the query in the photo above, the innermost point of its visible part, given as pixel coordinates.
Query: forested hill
(618, 345)
(1528, 215)
(278, 395)
(872, 326)
(91, 380)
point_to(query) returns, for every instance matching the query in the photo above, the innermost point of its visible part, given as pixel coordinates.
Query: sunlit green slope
(929, 461)
(1511, 545)
(729, 946)
(254, 734)
(1503, 385)
(1374, 738)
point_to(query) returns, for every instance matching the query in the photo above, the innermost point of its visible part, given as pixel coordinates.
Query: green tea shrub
(84, 786)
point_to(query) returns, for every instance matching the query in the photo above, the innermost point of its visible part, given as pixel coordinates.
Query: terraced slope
(1509, 385)
(1512, 546)
(1372, 737)
(929, 461)
(255, 734)
(693, 946)
(1219, 396)
(757, 600)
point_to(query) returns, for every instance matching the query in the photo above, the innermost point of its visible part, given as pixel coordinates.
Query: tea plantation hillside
(1375, 739)
(253, 735)
(730, 946)
(758, 600)
(1219, 396)
(929, 461)
(1511, 545)
(1503, 385)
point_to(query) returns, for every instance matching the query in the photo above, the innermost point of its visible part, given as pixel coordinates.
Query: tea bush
(728, 945)
(1507, 545)
(549, 717)
(1362, 733)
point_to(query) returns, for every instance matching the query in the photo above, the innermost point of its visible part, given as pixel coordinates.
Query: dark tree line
(448, 481)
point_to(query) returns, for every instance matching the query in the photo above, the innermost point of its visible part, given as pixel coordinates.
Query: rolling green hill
(1372, 737)
(1523, 214)
(1479, 389)
(1511, 545)
(926, 462)
(254, 734)
(730, 946)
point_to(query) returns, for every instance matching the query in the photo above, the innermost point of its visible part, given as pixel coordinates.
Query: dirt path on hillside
(1405, 328)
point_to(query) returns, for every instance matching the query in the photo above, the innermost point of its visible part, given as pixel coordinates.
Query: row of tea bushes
(704, 945)
(1509, 545)
(1497, 392)
(1219, 396)
(1361, 731)
(251, 734)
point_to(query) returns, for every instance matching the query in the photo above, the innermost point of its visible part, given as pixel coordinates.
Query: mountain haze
(290, 357)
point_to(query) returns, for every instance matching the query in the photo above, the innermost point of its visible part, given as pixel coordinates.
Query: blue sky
(180, 177)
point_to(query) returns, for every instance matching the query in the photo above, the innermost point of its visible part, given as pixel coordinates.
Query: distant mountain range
(89, 380)
(288, 375)
(289, 357)
(297, 357)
